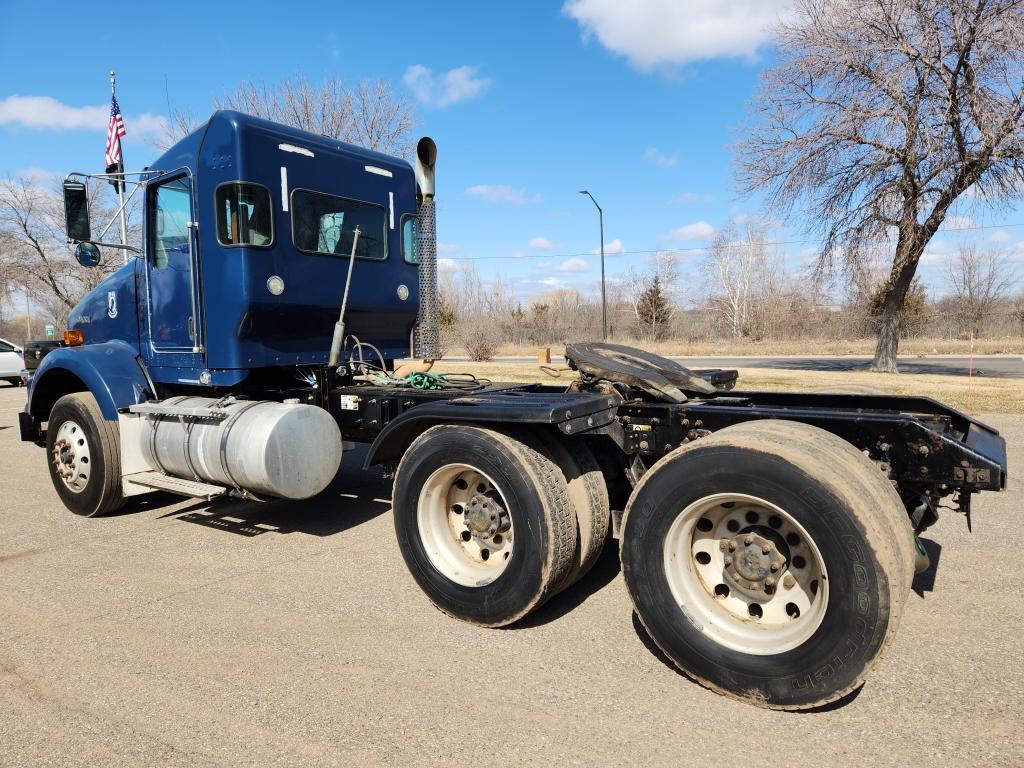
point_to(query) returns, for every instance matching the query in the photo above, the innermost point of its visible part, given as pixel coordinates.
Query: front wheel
(761, 568)
(84, 456)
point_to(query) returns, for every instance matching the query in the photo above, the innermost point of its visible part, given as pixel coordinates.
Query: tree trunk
(908, 253)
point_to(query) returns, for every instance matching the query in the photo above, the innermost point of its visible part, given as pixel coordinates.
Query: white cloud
(614, 248)
(37, 177)
(447, 248)
(572, 265)
(446, 88)
(693, 197)
(1000, 236)
(657, 157)
(45, 112)
(550, 282)
(699, 230)
(652, 33)
(502, 193)
(936, 252)
(958, 222)
(447, 265)
(541, 244)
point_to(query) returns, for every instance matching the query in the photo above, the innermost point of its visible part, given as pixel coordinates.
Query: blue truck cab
(247, 230)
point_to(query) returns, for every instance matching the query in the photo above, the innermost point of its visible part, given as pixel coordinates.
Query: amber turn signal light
(74, 338)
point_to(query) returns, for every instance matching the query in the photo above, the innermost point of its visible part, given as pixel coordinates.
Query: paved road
(1003, 366)
(194, 634)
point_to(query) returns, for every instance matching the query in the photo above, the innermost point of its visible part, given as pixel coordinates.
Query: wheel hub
(71, 455)
(753, 562)
(464, 525)
(485, 517)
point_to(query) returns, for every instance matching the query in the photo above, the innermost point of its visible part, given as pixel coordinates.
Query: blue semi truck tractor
(767, 540)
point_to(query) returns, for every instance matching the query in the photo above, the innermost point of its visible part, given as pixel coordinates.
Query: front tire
(84, 456)
(762, 568)
(484, 522)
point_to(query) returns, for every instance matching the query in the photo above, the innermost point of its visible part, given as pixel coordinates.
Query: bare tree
(368, 114)
(735, 268)
(979, 281)
(34, 253)
(1017, 312)
(880, 116)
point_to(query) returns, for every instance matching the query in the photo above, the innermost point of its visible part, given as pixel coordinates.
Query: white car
(12, 362)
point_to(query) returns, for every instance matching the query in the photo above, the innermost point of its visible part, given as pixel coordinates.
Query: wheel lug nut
(728, 560)
(774, 567)
(765, 550)
(788, 581)
(749, 540)
(769, 582)
(732, 546)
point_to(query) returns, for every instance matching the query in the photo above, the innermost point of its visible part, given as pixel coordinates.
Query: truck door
(172, 268)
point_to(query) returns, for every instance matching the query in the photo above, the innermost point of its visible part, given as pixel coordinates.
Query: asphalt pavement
(1001, 366)
(183, 633)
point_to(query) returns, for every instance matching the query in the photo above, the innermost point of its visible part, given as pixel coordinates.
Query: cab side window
(244, 215)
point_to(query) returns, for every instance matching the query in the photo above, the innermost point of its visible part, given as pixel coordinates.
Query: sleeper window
(410, 235)
(326, 224)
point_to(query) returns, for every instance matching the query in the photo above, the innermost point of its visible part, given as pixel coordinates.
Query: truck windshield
(325, 224)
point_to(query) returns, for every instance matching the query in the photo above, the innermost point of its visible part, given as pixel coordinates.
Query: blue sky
(529, 102)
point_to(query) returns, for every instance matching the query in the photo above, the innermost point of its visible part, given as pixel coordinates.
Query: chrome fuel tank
(286, 450)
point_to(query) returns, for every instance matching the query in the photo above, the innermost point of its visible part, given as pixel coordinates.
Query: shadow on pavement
(925, 581)
(604, 571)
(354, 497)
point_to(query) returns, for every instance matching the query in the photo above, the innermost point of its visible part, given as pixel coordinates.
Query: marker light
(74, 338)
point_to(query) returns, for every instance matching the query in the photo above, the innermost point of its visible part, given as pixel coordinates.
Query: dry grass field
(981, 394)
(1004, 345)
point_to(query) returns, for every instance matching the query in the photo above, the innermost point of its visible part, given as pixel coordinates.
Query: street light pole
(604, 298)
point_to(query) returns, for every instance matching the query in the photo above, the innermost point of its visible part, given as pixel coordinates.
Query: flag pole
(120, 186)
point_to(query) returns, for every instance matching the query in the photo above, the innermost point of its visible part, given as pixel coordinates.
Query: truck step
(182, 487)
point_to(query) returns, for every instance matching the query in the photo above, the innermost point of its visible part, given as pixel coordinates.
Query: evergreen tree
(653, 311)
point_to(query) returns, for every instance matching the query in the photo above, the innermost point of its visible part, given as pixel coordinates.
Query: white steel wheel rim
(465, 525)
(719, 601)
(72, 460)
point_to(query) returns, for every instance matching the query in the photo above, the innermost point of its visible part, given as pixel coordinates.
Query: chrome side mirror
(88, 254)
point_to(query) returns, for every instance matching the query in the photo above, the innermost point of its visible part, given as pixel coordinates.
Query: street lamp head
(584, 192)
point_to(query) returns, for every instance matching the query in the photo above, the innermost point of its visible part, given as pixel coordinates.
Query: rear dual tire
(458, 488)
(807, 495)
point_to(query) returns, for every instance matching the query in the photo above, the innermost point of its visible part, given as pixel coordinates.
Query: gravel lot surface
(182, 633)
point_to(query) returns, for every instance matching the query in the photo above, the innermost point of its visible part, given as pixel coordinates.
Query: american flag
(115, 131)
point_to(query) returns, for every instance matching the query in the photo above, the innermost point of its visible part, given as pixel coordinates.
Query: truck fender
(109, 370)
(569, 413)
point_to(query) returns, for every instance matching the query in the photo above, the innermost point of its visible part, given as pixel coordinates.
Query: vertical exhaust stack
(428, 341)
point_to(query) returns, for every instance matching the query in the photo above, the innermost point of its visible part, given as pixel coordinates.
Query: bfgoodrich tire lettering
(845, 529)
